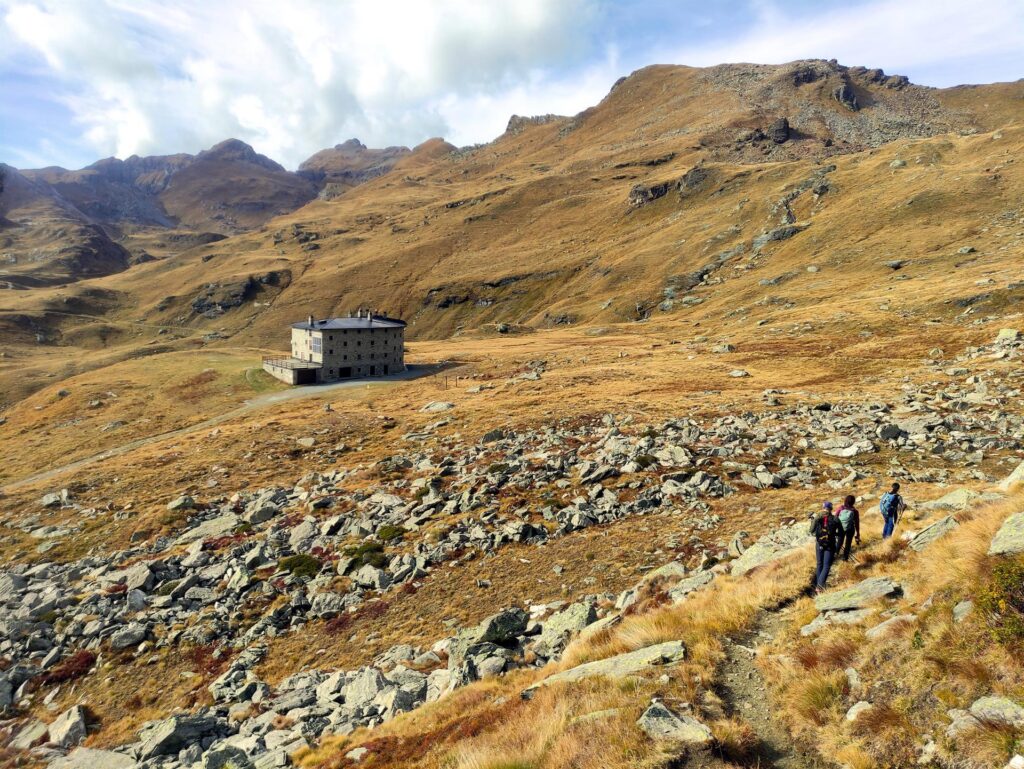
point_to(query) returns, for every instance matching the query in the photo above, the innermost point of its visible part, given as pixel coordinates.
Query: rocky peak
(238, 151)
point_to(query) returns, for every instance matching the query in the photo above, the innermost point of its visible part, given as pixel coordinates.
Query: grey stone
(660, 723)
(372, 577)
(29, 735)
(88, 758)
(167, 737)
(857, 709)
(500, 628)
(139, 577)
(689, 585)
(772, 547)
(1017, 476)
(184, 502)
(69, 728)
(619, 666)
(558, 628)
(830, 618)
(435, 406)
(857, 596)
(882, 628)
(962, 611)
(226, 757)
(130, 635)
(998, 710)
(6, 692)
(364, 686)
(1009, 540)
(933, 532)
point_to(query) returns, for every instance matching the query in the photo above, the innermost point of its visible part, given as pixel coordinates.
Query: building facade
(365, 344)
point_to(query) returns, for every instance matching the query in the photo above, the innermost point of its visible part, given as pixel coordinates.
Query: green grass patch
(301, 565)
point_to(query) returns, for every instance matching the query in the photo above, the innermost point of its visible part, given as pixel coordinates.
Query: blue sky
(85, 79)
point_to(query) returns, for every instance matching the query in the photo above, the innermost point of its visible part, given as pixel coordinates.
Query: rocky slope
(242, 573)
(225, 189)
(344, 166)
(660, 332)
(45, 239)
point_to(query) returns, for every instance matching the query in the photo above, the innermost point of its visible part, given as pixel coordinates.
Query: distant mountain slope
(226, 189)
(680, 180)
(343, 166)
(44, 239)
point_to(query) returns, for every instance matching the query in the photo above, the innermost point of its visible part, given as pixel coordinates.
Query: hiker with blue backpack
(892, 507)
(828, 533)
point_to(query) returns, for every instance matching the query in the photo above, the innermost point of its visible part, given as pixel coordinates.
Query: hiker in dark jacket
(849, 518)
(892, 507)
(828, 533)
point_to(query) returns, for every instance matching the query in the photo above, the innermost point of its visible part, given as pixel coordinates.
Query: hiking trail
(746, 695)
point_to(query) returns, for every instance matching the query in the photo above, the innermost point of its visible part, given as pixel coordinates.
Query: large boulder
(130, 635)
(1009, 540)
(857, 596)
(226, 757)
(998, 710)
(1017, 476)
(560, 627)
(619, 666)
(364, 686)
(771, 547)
(660, 723)
(167, 737)
(690, 584)
(503, 627)
(932, 532)
(69, 728)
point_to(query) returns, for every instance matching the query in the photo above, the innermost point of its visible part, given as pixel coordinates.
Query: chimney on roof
(311, 321)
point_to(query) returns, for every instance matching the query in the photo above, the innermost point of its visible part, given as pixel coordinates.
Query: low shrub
(390, 533)
(168, 587)
(371, 553)
(344, 621)
(300, 565)
(1001, 602)
(75, 666)
(646, 460)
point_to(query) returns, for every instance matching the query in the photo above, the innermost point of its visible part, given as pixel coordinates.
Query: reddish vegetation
(226, 541)
(75, 666)
(345, 621)
(201, 659)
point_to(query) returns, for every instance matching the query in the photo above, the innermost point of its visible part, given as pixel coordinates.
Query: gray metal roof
(340, 324)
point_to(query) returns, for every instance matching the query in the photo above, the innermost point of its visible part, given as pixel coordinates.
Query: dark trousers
(845, 544)
(825, 558)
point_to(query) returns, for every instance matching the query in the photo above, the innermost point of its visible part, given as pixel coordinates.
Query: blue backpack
(890, 504)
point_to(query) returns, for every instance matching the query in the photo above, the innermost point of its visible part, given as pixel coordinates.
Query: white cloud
(294, 77)
(149, 76)
(911, 37)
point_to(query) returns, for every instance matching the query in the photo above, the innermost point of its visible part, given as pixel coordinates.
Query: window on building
(317, 344)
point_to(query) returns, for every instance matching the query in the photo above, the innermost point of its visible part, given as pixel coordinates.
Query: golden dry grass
(913, 675)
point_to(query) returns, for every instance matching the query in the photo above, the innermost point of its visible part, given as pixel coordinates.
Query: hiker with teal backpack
(892, 507)
(827, 532)
(849, 517)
